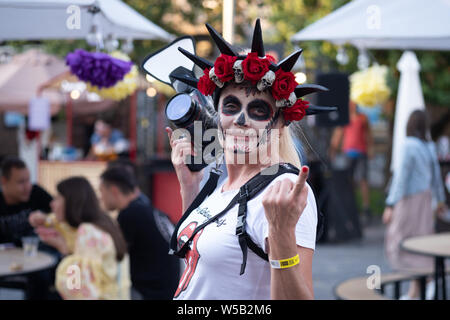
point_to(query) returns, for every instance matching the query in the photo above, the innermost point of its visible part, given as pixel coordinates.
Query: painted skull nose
(241, 119)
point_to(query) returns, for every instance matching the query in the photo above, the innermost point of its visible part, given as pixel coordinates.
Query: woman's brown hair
(81, 205)
(417, 125)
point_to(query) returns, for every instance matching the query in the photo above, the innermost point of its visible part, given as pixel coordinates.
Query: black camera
(188, 111)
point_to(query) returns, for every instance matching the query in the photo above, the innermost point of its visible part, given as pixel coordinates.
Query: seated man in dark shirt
(154, 274)
(18, 198)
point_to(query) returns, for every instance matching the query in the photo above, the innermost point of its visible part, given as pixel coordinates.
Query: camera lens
(180, 109)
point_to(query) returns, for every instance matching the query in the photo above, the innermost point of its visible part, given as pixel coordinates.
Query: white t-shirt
(213, 264)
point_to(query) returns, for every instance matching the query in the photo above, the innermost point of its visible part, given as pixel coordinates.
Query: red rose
(283, 85)
(271, 58)
(223, 67)
(205, 85)
(297, 111)
(254, 68)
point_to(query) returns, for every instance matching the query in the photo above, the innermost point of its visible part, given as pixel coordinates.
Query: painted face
(244, 115)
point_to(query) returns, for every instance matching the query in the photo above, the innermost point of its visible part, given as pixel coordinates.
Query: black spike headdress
(260, 69)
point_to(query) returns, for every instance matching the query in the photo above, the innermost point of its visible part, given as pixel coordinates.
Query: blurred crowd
(121, 257)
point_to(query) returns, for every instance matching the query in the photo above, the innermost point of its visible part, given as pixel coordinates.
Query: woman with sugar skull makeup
(256, 99)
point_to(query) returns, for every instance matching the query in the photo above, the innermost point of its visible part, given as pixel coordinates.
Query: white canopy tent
(73, 19)
(390, 24)
(385, 24)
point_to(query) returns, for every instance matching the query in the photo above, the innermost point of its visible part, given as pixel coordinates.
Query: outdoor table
(437, 246)
(28, 265)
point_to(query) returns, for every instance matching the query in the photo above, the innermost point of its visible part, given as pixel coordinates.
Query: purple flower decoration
(98, 68)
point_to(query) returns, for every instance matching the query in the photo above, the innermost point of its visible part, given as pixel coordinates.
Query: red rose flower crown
(258, 68)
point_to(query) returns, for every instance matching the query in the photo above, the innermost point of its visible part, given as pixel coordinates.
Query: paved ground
(336, 262)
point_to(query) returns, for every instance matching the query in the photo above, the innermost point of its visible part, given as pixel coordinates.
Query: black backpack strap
(185, 247)
(247, 192)
(240, 226)
(207, 189)
(256, 249)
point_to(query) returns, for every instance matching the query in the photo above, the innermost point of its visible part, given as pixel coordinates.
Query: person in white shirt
(281, 219)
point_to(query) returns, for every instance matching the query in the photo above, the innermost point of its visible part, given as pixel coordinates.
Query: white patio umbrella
(409, 98)
(73, 19)
(385, 24)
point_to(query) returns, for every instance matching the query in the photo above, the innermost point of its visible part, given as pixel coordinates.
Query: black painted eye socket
(231, 105)
(259, 110)
(230, 109)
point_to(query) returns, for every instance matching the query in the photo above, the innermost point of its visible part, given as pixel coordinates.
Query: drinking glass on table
(30, 246)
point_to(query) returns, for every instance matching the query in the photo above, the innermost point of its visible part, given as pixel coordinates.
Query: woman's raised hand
(285, 201)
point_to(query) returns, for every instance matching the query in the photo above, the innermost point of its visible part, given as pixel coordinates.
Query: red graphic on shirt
(191, 258)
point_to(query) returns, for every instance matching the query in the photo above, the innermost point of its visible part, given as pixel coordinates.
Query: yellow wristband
(285, 263)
